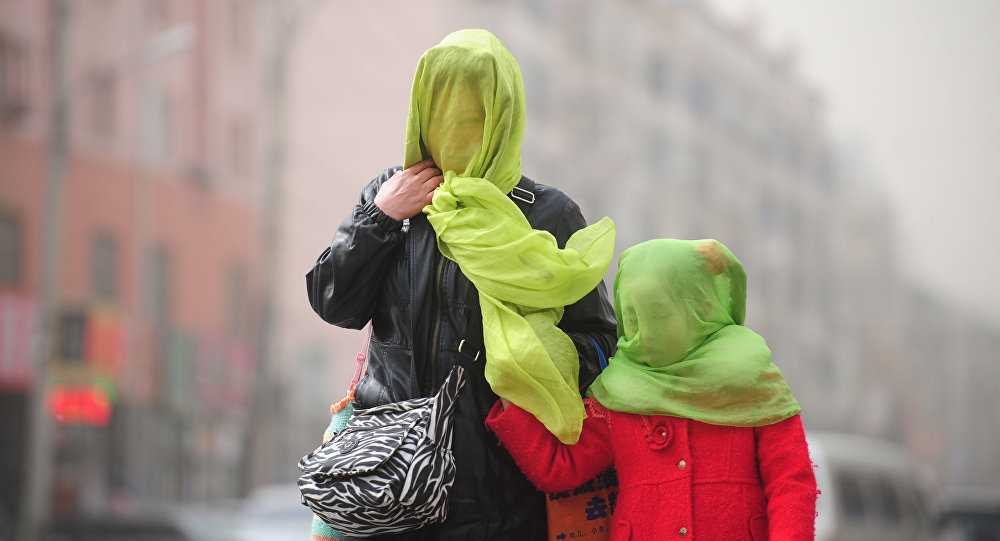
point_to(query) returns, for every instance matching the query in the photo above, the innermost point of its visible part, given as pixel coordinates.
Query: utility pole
(39, 457)
(275, 72)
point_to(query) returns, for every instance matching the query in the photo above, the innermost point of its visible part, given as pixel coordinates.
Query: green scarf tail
(467, 114)
(682, 347)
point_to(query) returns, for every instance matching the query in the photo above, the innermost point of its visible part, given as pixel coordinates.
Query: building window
(769, 221)
(104, 267)
(658, 159)
(156, 126)
(239, 27)
(237, 300)
(104, 96)
(702, 173)
(657, 74)
(732, 109)
(579, 23)
(13, 80)
(158, 285)
(790, 148)
(536, 88)
(72, 326)
(701, 95)
(239, 146)
(10, 250)
(539, 9)
(157, 13)
(825, 170)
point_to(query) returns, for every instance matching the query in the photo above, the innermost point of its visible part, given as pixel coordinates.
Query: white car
(272, 513)
(870, 490)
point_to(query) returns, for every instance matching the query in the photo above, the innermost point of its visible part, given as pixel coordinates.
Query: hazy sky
(917, 83)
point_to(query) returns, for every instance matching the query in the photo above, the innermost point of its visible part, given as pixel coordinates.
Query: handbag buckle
(462, 343)
(522, 195)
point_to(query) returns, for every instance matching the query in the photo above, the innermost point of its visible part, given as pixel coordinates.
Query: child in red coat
(699, 423)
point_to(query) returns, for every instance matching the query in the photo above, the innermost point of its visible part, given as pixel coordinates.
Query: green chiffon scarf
(682, 347)
(467, 114)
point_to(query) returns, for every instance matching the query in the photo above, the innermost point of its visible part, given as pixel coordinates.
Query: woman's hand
(409, 190)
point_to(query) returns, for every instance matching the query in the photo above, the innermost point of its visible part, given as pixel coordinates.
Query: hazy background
(914, 83)
(170, 170)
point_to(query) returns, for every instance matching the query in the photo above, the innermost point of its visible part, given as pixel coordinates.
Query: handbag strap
(361, 358)
(600, 353)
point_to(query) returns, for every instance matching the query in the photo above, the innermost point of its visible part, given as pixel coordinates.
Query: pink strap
(361, 358)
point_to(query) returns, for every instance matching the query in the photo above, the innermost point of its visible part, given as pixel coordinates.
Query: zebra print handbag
(389, 470)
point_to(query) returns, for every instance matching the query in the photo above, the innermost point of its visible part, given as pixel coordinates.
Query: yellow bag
(584, 512)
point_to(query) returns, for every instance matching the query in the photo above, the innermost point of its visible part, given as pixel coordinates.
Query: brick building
(152, 320)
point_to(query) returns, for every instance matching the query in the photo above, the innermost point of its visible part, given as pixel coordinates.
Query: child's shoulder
(594, 408)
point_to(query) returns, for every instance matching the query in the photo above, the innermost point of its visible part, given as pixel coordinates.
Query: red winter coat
(678, 478)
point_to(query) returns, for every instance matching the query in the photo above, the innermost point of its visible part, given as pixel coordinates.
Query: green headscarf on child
(682, 347)
(467, 114)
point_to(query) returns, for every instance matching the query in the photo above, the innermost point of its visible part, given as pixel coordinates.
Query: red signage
(81, 405)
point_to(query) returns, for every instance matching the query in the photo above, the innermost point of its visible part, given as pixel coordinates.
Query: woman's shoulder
(549, 208)
(541, 190)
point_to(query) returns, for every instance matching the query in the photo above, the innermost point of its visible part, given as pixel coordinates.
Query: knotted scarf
(682, 347)
(467, 114)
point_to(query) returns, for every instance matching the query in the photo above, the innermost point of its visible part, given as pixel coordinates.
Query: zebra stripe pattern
(390, 469)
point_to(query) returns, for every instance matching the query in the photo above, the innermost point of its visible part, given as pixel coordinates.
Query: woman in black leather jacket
(384, 265)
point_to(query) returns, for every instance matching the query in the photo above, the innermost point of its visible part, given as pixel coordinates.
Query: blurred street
(170, 169)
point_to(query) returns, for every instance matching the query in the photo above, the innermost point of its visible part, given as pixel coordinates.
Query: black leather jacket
(426, 318)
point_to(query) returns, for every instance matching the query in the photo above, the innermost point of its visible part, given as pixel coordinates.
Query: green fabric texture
(682, 347)
(467, 114)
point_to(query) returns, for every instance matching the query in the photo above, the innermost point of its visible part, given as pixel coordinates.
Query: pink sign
(18, 326)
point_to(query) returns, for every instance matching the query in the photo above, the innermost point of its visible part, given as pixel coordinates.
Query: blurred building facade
(152, 329)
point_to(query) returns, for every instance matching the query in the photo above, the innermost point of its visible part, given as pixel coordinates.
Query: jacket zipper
(430, 389)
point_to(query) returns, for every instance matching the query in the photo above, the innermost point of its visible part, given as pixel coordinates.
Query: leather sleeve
(789, 481)
(549, 464)
(346, 280)
(591, 316)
